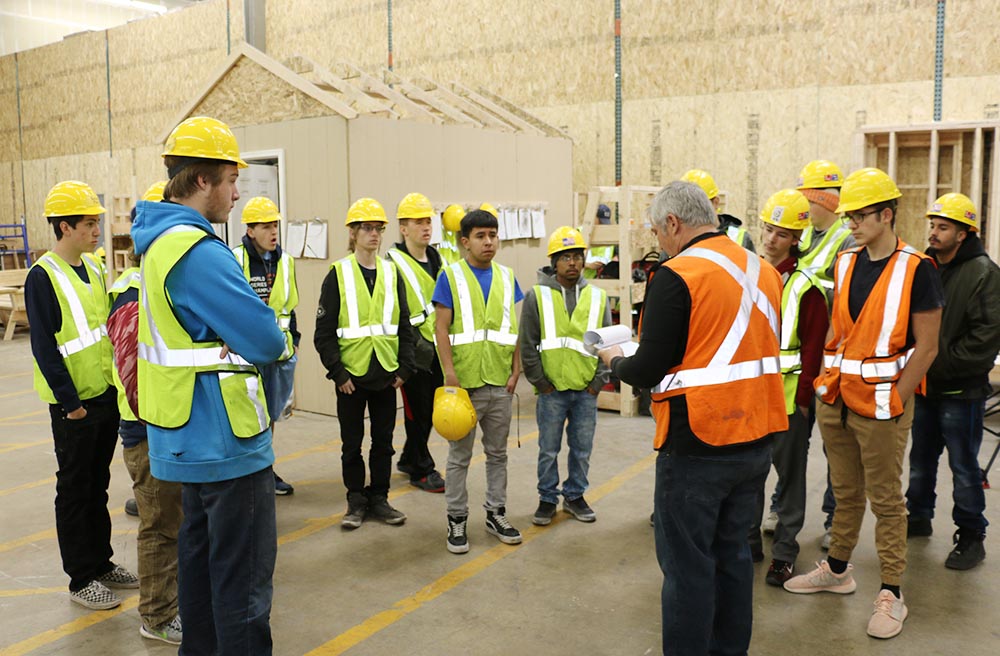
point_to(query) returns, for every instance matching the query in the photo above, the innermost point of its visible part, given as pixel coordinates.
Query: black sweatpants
(381, 405)
(418, 406)
(84, 448)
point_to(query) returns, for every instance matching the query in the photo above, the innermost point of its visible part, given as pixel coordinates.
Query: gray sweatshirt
(530, 331)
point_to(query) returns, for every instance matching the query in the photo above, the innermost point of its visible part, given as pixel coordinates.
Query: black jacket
(970, 326)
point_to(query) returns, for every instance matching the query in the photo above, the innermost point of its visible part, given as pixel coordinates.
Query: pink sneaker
(822, 579)
(887, 618)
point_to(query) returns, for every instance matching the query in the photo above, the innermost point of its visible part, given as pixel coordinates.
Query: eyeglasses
(857, 217)
(570, 257)
(373, 227)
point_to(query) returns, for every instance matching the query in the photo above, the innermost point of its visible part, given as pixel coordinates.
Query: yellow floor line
(366, 629)
(27, 414)
(50, 534)
(5, 448)
(19, 393)
(68, 629)
(23, 373)
(29, 591)
(27, 486)
(25, 423)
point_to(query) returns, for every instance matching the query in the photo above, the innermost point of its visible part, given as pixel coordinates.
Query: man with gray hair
(708, 348)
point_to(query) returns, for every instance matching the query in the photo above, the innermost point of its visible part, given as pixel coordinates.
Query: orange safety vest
(864, 359)
(730, 372)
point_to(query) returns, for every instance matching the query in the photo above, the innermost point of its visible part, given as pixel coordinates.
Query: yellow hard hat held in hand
(454, 416)
(452, 217)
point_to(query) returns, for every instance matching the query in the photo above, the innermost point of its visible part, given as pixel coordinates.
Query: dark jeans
(84, 448)
(790, 456)
(704, 507)
(958, 425)
(418, 406)
(829, 503)
(381, 406)
(226, 551)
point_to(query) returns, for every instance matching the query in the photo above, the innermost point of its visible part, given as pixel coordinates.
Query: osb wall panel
(355, 31)
(967, 50)
(8, 110)
(251, 95)
(159, 64)
(64, 97)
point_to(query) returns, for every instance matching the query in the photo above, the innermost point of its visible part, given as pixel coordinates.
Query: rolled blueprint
(595, 340)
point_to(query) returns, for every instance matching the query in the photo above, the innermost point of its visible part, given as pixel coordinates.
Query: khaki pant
(160, 517)
(866, 461)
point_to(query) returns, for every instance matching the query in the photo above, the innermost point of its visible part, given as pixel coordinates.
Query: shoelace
(175, 624)
(821, 573)
(96, 592)
(501, 521)
(884, 604)
(458, 529)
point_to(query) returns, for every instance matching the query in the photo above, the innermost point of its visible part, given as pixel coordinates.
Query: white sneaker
(770, 523)
(96, 596)
(170, 633)
(887, 618)
(822, 579)
(119, 577)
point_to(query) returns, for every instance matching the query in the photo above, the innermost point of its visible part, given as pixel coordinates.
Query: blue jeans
(704, 506)
(577, 411)
(958, 425)
(226, 551)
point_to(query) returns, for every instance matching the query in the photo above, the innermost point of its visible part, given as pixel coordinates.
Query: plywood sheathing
(352, 30)
(9, 148)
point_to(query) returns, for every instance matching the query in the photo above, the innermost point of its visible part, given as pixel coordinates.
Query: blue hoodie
(213, 301)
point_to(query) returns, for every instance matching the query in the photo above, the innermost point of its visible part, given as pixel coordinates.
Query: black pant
(381, 406)
(84, 448)
(418, 406)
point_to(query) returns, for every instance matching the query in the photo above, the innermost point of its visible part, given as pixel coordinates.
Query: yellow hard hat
(366, 209)
(957, 207)
(866, 187)
(452, 217)
(486, 207)
(454, 416)
(820, 174)
(206, 138)
(788, 209)
(155, 192)
(565, 239)
(260, 209)
(414, 206)
(704, 180)
(72, 198)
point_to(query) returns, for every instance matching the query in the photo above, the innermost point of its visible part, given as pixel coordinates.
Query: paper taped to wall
(595, 340)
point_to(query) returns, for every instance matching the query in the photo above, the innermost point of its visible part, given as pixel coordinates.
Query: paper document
(315, 246)
(295, 239)
(595, 340)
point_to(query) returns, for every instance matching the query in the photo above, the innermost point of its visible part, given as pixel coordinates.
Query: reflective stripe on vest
(284, 295)
(798, 284)
(736, 233)
(567, 364)
(819, 257)
(82, 338)
(864, 359)
(354, 329)
(368, 322)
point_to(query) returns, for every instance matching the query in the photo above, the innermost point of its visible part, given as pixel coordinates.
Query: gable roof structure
(251, 88)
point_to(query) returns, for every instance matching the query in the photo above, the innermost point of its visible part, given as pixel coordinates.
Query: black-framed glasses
(373, 227)
(857, 217)
(570, 257)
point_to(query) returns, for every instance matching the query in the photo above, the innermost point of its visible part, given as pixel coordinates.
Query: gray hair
(684, 200)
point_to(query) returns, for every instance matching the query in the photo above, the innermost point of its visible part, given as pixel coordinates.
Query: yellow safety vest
(567, 364)
(483, 332)
(799, 282)
(82, 339)
(284, 295)
(817, 259)
(368, 322)
(169, 359)
(419, 290)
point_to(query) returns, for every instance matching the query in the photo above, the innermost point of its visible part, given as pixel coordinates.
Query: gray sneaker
(170, 633)
(380, 509)
(544, 514)
(580, 509)
(120, 578)
(357, 507)
(96, 596)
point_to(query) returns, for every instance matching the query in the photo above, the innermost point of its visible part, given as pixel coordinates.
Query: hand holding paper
(610, 342)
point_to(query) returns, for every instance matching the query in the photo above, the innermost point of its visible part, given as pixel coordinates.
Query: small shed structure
(319, 137)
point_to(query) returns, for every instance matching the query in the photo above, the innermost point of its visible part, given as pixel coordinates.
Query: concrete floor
(570, 588)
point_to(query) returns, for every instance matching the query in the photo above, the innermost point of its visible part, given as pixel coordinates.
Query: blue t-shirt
(442, 290)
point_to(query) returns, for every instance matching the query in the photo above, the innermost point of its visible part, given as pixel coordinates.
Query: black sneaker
(131, 508)
(281, 488)
(357, 507)
(918, 527)
(579, 508)
(779, 572)
(432, 482)
(380, 509)
(969, 550)
(543, 516)
(458, 543)
(497, 524)
(406, 469)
